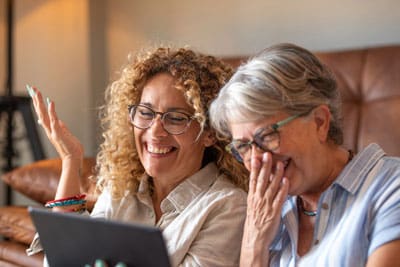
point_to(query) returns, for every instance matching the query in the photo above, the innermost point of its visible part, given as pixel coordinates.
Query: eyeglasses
(174, 122)
(267, 139)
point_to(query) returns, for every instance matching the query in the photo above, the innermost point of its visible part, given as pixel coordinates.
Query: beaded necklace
(313, 213)
(310, 213)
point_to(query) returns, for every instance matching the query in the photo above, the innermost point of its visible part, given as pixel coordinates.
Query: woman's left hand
(267, 193)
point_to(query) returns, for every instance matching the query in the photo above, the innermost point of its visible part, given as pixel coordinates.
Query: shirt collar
(352, 176)
(191, 187)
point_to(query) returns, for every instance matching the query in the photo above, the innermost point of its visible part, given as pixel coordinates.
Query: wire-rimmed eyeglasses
(173, 122)
(266, 138)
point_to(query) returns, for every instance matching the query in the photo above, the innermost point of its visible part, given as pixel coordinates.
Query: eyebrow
(147, 104)
(258, 132)
(270, 127)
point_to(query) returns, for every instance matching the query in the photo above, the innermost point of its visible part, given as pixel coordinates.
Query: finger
(34, 95)
(255, 165)
(100, 263)
(276, 179)
(53, 118)
(264, 174)
(281, 196)
(40, 108)
(58, 127)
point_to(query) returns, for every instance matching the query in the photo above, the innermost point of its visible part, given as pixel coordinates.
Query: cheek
(247, 165)
(137, 134)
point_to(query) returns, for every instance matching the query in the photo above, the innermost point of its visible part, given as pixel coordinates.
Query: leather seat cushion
(16, 224)
(13, 254)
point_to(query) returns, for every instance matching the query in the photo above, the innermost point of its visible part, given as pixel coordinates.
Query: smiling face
(165, 157)
(298, 150)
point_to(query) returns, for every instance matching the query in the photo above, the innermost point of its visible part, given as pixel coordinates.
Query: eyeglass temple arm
(283, 122)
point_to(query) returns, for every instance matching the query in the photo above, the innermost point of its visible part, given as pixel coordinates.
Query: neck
(308, 203)
(333, 164)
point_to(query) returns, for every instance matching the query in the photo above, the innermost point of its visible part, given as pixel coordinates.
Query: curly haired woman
(160, 163)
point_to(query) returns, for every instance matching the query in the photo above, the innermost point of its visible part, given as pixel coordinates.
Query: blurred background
(71, 49)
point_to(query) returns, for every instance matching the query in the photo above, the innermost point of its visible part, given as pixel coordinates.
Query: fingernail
(120, 264)
(31, 92)
(48, 101)
(99, 263)
(265, 157)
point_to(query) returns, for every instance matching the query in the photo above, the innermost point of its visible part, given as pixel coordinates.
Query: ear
(209, 138)
(322, 118)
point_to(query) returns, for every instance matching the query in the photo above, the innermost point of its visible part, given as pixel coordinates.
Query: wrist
(70, 164)
(252, 257)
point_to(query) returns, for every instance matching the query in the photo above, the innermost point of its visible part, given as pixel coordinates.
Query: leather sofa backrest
(39, 180)
(369, 81)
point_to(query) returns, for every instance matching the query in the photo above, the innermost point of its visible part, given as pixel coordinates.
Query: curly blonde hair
(198, 76)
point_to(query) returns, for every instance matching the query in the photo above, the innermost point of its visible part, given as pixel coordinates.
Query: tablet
(69, 239)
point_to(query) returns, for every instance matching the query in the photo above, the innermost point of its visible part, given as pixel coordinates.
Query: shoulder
(388, 174)
(387, 179)
(209, 182)
(224, 191)
(391, 163)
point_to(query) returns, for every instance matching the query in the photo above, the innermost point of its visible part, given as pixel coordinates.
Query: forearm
(69, 184)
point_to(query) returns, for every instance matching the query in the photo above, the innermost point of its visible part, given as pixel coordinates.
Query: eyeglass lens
(174, 122)
(266, 142)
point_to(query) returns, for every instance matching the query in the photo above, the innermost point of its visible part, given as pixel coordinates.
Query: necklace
(310, 213)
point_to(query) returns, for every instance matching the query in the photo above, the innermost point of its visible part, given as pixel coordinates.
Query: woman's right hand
(267, 193)
(66, 144)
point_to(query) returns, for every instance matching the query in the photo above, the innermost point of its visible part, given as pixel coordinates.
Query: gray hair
(281, 78)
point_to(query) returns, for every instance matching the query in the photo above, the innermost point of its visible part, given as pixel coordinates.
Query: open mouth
(160, 150)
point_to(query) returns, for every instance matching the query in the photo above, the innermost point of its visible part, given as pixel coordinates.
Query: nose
(157, 128)
(254, 149)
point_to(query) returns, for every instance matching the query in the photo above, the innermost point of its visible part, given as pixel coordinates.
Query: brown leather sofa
(369, 80)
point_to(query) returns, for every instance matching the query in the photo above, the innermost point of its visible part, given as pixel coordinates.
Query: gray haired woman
(310, 202)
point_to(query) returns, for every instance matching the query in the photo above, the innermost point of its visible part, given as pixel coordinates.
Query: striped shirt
(357, 214)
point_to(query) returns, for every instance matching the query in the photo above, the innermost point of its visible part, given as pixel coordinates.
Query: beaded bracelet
(69, 202)
(77, 197)
(75, 200)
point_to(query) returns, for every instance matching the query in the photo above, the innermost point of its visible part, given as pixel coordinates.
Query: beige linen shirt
(202, 218)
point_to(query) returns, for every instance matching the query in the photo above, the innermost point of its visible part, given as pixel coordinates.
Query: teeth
(158, 150)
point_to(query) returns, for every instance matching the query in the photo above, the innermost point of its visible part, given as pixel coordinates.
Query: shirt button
(325, 206)
(316, 242)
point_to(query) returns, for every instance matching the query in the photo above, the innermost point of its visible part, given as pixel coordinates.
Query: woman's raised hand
(267, 193)
(66, 144)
